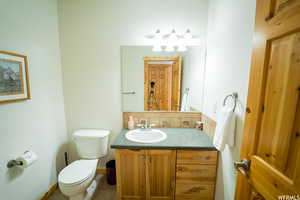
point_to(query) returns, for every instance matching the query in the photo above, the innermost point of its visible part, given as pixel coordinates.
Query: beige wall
(91, 35)
(229, 41)
(30, 27)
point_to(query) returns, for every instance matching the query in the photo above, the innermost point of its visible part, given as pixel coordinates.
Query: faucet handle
(152, 125)
(140, 125)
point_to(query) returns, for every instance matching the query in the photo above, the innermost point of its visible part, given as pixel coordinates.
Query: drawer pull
(195, 190)
(193, 171)
(197, 157)
(180, 169)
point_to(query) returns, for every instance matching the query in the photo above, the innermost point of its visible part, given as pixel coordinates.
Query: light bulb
(170, 48)
(182, 48)
(173, 37)
(157, 41)
(171, 41)
(188, 35)
(157, 35)
(156, 48)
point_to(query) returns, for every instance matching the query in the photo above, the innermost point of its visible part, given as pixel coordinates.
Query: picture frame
(14, 78)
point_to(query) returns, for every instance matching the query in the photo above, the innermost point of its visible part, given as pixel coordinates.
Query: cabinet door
(161, 174)
(131, 181)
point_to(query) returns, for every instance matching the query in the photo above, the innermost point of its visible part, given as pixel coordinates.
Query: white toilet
(77, 179)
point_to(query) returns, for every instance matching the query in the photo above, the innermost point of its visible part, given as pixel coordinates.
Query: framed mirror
(162, 81)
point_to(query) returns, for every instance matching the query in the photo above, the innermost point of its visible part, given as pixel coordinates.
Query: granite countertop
(178, 138)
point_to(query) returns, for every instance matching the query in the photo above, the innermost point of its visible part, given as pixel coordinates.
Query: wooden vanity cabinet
(145, 174)
(195, 174)
(166, 174)
(160, 174)
(131, 170)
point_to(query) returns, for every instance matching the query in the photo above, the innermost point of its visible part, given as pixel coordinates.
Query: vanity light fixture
(188, 36)
(169, 48)
(157, 41)
(156, 48)
(185, 41)
(172, 41)
(173, 38)
(182, 48)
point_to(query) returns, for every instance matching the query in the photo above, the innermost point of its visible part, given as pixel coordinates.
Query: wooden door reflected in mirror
(162, 83)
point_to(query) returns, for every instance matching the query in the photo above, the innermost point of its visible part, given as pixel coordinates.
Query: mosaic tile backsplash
(164, 119)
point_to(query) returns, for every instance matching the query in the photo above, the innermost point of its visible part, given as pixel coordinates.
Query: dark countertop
(178, 138)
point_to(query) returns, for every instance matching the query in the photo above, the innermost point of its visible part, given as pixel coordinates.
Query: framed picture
(14, 80)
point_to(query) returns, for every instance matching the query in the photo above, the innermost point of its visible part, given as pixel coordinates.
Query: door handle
(257, 196)
(242, 166)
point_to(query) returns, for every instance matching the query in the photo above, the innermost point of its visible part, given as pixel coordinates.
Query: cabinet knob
(180, 169)
(248, 110)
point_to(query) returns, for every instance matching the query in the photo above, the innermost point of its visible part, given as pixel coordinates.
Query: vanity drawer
(194, 192)
(196, 174)
(197, 157)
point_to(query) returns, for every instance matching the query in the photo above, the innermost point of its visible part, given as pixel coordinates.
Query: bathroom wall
(31, 27)
(230, 32)
(91, 35)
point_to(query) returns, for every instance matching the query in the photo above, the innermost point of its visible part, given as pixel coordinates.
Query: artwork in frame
(14, 81)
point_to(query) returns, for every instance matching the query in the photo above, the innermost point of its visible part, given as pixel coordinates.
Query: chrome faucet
(144, 124)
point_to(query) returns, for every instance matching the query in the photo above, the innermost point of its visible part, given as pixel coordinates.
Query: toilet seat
(77, 172)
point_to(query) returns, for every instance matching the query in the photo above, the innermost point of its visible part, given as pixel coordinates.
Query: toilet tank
(91, 143)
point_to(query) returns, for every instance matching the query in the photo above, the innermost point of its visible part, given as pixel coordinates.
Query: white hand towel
(225, 130)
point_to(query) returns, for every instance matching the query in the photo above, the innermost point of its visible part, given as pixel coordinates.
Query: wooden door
(272, 128)
(160, 87)
(161, 174)
(162, 83)
(130, 168)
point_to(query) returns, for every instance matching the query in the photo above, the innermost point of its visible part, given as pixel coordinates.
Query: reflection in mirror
(162, 81)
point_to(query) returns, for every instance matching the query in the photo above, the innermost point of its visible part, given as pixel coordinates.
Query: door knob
(242, 166)
(257, 196)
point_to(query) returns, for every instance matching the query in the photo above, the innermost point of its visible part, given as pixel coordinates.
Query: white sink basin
(146, 135)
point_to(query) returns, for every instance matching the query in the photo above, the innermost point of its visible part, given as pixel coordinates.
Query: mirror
(162, 81)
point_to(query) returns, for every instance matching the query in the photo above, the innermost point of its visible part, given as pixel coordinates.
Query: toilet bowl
(77, 179)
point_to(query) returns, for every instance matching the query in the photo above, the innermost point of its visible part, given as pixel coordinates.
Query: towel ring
(234, 96)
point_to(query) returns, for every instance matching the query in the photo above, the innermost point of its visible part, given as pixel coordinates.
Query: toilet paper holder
(24, 160)
(13, 163)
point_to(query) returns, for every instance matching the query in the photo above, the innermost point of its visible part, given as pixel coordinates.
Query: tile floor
(103, 192)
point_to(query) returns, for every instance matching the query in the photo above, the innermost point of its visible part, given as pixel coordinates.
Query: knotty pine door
(271, 138)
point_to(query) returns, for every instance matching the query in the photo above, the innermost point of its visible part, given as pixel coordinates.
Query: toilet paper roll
(27, 159)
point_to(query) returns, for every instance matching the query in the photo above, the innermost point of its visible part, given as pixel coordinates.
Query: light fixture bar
(171, 42)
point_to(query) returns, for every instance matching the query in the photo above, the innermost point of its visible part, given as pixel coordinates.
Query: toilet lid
(77, 172)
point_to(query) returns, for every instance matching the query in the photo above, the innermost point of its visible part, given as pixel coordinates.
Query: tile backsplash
(209, 125)
(164, 119)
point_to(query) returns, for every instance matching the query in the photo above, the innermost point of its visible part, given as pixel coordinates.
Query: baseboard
(50, 192)
(101, 171)
(53, 188)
